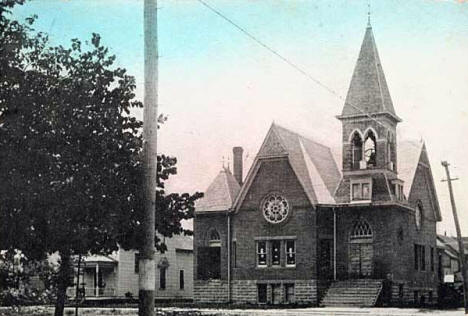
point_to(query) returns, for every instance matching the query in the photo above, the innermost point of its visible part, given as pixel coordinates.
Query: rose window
(275, 208)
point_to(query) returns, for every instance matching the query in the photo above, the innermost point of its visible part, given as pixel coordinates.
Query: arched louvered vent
(361, 230)
(214, 235)
(215, 240)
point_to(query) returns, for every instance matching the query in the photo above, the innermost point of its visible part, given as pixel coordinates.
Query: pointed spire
(368, 91)
(368, 13)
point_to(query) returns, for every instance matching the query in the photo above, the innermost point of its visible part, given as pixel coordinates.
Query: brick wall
(249, 223)
(202, 226)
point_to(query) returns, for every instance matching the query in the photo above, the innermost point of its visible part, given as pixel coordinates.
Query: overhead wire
(286, 60)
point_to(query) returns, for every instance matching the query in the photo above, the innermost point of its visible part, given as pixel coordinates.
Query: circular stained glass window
(275, 208)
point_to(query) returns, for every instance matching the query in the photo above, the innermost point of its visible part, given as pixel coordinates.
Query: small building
(449, 263)
(116, 275)
(299, 229)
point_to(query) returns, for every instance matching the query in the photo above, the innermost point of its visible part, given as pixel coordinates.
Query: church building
(301, 229)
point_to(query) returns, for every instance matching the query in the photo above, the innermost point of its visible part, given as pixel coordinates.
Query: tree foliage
(70, 151)
(25, 282)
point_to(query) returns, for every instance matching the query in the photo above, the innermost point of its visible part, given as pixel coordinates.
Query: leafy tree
(23, 281)
(70, 152)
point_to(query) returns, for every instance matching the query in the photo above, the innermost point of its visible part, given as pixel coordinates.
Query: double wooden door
(360, 258)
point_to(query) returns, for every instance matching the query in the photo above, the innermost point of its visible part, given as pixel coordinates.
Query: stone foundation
(405, 295)
(245, 291)
(210, 291)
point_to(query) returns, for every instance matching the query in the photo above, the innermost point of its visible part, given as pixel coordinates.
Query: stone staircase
(357, 293)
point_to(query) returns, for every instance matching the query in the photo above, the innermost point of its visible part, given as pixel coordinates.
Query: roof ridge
(301, 135)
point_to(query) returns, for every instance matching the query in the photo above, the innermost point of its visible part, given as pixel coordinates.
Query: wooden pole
(146, 263)
(77, 285)
(461, 249)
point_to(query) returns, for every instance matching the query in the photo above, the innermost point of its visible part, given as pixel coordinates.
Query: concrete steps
(353, 293)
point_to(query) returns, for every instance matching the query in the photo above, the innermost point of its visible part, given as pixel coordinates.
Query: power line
(284, 59)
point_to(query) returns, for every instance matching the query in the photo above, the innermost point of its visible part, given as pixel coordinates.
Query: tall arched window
(370, 149)
(361, 229)
(356, 143)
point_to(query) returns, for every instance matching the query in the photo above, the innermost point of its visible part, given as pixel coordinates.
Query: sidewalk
(172, 311)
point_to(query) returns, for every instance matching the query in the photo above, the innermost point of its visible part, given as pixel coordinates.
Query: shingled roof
(409, 153)
(368, 92)
(220, 194)
(312, 163)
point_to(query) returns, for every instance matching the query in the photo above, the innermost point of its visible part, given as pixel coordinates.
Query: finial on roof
(368, 13)
(223, 163)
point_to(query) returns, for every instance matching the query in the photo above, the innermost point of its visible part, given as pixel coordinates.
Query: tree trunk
(63, 281)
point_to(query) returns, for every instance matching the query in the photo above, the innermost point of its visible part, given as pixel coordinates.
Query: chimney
(238, 166)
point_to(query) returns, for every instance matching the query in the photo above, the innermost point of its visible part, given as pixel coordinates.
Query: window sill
(361, 201)
(276, 267)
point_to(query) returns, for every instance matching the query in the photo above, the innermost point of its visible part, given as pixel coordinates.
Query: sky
(221, 89)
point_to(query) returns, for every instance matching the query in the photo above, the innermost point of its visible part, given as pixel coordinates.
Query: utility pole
(461, 250)
(146, 273)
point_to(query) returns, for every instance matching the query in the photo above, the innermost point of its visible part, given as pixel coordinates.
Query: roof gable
(412, 154)
(221, 193)
(368, 91)
(312, 163)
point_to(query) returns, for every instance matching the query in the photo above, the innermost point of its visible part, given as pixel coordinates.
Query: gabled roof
(220, 194)
(313, 164)
(368, 91)
(452, 243)
(410, 155)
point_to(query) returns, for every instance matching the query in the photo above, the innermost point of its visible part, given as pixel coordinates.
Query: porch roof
(101, 260)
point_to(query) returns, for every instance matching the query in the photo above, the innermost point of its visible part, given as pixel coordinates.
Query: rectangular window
(416, 257)
(136, 264)
(234, 254)
(262, 254)
(356, 191)
(276, 293)
(262, 293)
(432, 258)
(419, 257)
(361, 189)
(276, 253)
(290, 253)
(366, 191)
(289, 293)
(162, 278)
(181, 280)
(423, 258)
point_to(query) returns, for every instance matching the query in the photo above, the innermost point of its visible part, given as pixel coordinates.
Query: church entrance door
(361, 250)
(360, 258)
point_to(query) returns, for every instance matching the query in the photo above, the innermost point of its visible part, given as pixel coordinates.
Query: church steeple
(368, 92)
(368, 117)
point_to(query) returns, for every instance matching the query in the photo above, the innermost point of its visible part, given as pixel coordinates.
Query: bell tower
(369, 139)
(368, 118)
